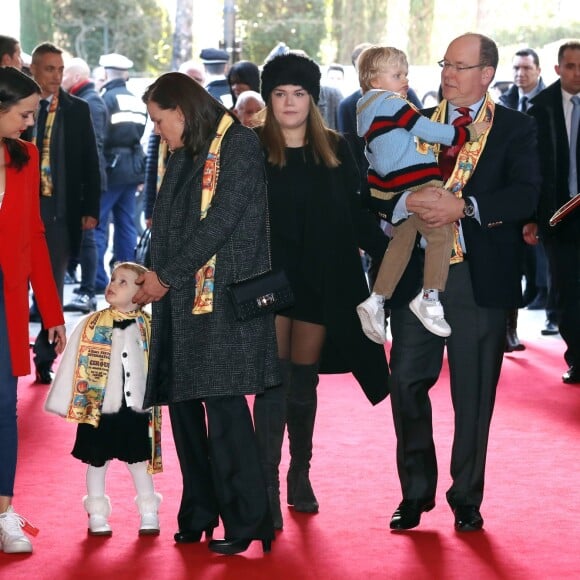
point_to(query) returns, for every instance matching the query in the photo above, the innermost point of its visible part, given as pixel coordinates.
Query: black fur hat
(291, 69)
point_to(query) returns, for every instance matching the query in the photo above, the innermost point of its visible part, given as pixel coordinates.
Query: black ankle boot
(229, 547)
(512, 341)
(300, 493)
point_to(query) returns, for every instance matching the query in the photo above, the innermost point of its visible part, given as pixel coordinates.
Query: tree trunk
(420, 31)
(182, 37)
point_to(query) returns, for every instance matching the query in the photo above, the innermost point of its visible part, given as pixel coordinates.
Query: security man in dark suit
(493, 186)
(527, 84)
(558, 116)
(70, 180)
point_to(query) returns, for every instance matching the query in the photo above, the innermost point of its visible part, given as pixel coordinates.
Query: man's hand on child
(152, 290)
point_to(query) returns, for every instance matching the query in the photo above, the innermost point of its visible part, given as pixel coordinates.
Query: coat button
(124, 355)
(128, 393)
(128, 374)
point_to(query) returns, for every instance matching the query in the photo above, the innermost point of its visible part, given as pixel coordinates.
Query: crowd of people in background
(239, 169)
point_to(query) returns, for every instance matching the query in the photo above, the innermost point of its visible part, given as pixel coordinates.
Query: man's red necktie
(448, 155)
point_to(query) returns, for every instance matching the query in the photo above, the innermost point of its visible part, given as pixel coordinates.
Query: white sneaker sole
(367, 323)
(415, 310)
(18, 548)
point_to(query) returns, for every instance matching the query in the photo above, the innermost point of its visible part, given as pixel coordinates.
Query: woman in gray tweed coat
(205, 363)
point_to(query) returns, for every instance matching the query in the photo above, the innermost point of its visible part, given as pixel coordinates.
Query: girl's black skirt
(123, 435)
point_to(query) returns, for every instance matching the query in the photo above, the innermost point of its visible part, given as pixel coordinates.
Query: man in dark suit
(77, 81)
(553, 110)
(527, 84)
(496, 187)
(71, 185)
(527, 80)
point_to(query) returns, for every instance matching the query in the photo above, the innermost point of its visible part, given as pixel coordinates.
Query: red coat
(24, 258)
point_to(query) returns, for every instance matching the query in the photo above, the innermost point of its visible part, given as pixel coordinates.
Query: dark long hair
(245, 72)
(15, 86)
(201, 111)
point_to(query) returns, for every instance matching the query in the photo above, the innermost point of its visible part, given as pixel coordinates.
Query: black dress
(290, 188)
(123, 435)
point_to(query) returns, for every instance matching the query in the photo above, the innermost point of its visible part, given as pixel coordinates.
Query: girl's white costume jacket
(127, 372)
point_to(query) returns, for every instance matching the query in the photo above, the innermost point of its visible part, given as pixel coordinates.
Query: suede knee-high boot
(300, 417)
(269, 423)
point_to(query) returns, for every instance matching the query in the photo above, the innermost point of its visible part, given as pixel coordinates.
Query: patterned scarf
(204, 277)
(466, 161)
(92, 370)
(45, 175)
(161, 162)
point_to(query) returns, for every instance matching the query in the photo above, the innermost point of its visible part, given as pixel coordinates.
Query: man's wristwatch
(468, 208)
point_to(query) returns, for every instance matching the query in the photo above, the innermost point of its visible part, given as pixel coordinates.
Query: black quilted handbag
(266, 293)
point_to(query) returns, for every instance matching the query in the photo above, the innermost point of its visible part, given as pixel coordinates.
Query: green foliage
(139, 29)
(535, 36)
(357, 22)
(420, 30)
(265, 23)
(36, 23)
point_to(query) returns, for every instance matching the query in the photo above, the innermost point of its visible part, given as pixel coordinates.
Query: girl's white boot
(148, 506)
(99, 509)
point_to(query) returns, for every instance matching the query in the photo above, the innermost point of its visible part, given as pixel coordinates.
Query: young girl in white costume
(100, 385)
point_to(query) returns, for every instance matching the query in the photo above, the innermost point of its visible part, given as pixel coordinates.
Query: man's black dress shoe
(512, 342)
(467, 518)
(43, 375)
(572, 376)
(192, 536)
(549, 329)
(408, 514)
(231, 547)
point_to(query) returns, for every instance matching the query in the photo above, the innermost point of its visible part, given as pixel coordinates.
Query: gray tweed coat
(197, 356)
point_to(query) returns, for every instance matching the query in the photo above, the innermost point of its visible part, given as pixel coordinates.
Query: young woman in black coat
(317, 227)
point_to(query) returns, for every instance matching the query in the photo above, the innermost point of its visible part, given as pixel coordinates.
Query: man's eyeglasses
(458, 67)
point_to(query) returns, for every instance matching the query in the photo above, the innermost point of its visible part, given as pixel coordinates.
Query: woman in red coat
(23, 259)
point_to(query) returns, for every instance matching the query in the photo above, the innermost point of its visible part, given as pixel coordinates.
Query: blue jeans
(8, 427)
(119, 201)
(88, 259)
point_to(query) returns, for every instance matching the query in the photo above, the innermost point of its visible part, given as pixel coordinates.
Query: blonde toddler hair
(133, 266)
(374, 60)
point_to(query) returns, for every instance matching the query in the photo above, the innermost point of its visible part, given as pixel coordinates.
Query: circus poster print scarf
(466, 160)
(204, 277)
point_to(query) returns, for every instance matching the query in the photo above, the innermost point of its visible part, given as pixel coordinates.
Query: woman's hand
(57, 336)
(152, 290)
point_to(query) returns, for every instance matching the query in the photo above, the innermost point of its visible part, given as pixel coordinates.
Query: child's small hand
(478, 129)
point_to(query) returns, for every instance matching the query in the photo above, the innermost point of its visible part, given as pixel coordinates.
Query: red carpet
(530, 509)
